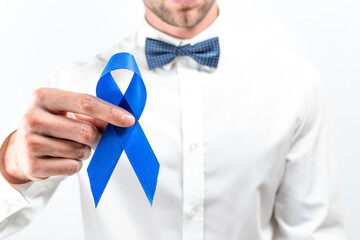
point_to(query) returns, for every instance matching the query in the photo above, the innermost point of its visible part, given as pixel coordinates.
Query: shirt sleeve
(308, 202)
(20, 203)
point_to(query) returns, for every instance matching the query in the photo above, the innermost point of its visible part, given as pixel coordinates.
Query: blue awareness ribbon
(115, 139)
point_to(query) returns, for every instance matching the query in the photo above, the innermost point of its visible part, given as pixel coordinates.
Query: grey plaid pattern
(159, 53)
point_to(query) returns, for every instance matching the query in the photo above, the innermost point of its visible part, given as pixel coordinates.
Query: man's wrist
(7, 162)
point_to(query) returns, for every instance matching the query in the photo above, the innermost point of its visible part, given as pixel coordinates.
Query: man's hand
(56, 134)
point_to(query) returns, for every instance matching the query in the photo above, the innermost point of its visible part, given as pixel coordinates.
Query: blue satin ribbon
(115, 139)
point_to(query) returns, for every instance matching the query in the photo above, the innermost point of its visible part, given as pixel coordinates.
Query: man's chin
(186, 21)
(184, 2)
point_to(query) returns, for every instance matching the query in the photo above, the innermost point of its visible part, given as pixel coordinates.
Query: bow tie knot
(183, 50)
(159, 53)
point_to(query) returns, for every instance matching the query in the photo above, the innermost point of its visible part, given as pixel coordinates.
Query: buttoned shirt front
(244, 149)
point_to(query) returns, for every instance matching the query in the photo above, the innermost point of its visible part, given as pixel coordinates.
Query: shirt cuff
(11, 198)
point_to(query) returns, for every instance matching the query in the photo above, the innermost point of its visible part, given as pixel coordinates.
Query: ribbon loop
(115, 139)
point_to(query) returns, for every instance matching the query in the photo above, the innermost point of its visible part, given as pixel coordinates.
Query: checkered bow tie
(159, 53)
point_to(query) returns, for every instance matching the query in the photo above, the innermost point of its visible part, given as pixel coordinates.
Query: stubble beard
(187, 20)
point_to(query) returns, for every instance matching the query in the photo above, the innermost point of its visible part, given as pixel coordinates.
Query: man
(242, 143)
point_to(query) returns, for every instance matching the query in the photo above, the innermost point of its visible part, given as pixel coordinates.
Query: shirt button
(192, 213)
(193, 146)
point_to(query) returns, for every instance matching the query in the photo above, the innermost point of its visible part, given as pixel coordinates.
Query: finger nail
(128, 120)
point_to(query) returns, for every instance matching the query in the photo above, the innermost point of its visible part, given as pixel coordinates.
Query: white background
(39, 34)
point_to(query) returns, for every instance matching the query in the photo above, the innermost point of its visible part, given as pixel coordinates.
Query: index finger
(56, 100)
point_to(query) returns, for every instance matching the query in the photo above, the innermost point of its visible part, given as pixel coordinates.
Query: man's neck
(178, 32)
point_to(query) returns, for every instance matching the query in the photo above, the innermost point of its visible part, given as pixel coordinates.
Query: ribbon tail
(143, 161)
(103, 162)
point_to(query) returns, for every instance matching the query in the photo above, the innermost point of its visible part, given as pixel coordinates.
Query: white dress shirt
(244, 149)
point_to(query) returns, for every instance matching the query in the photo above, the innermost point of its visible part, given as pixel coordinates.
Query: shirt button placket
(193, 147)
(193, 151)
